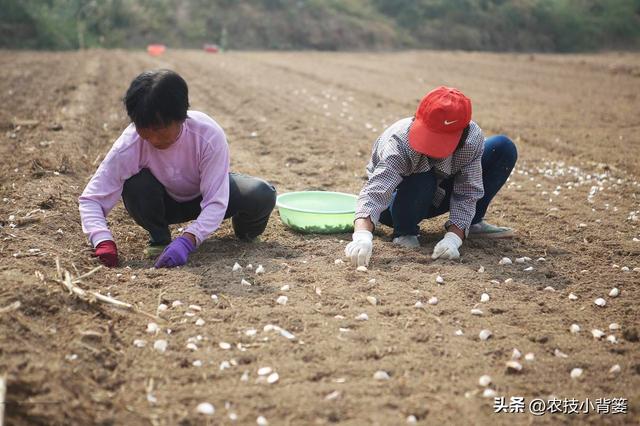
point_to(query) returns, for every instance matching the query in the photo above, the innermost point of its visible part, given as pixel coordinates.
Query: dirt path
(308, 121)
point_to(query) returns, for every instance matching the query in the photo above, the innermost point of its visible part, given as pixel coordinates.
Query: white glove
(448, 247)
(359, 250)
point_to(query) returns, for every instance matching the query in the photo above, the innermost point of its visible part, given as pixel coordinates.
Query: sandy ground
(303, 121)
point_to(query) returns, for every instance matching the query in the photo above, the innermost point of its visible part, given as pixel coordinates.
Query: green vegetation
(500, 25)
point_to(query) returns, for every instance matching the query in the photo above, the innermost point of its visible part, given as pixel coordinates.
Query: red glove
(107, 252)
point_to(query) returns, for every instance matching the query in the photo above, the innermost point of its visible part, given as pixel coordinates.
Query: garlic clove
(484, 334)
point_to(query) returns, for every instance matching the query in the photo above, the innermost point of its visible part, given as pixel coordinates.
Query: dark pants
(413, 199)
(251, 201)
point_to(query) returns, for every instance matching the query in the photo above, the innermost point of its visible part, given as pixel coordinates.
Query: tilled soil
(307, 121)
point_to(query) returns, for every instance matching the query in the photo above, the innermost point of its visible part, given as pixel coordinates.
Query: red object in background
(211, 48)
(156, 49)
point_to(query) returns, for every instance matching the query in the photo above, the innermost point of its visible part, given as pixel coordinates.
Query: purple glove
(176, 253)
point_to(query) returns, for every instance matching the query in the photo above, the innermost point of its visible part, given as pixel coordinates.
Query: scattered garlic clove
(549, 288)
(362, 317)
(459, 333)
(285, 287)
(477, 312)
(576, 373)
(484, 334)
(433, 301)
(236, 267)
(381, 375)
(282, 300)
(197, 363)
(249, 267)
(199, 322)
(338, 262)
(573, 296)
(575, 328)
(412, 420)
(139, 343)
(558, 353)
(205, 408)
(260, 269)
(529, 356)
(489, 393)
(361, 269)
(153, 328)
(251, 332)
(484, 381)
(418, 304)
(332, 396)
(162, 307)
(176, 303)
(516, 354)
(513, 367)
(615, 369)
(372, 300)
(505, 261)
(318, 291)
(612, 339)
(244, 377)
(192, 346)
(614, 292)
(264, 371)
(372, 281)
(439, 280)
(160, 345)
(484, 297)
(195, 308)
(224, 345)
(261, 421)
(245, 283)
(520, 260)
(614, 326)
(508, 281)
(541, 259)
(528, 269)
(481, 269)
(273, 378)
(597, 334)
(494, 282)
(600, 302)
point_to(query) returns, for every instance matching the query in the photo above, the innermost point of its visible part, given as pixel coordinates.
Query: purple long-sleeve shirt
(196, 164)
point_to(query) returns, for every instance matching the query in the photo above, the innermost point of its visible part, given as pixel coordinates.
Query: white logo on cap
(447, 123)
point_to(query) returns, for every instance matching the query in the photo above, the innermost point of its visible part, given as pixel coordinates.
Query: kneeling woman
(170, 166)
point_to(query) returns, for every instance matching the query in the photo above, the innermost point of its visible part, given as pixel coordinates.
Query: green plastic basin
(317, 212)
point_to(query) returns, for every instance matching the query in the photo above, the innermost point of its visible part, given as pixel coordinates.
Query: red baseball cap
(439, 122)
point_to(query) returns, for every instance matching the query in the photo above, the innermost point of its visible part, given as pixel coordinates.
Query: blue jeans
(413, 198)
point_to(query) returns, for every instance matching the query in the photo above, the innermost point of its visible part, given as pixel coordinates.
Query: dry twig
(64, 278)
(3, 397)
(12, 307)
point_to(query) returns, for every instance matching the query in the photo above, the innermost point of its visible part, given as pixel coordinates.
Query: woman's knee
(140, 183)
(418, 181)
(263, 194)
(504, 147)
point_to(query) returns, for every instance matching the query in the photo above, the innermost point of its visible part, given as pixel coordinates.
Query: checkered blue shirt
(392, 158)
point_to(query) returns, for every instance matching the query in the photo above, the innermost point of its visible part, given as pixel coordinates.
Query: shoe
(407, 241)
(483, 229)
(247, 239)
(154, 250)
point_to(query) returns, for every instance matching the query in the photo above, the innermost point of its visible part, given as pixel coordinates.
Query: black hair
(156, 98)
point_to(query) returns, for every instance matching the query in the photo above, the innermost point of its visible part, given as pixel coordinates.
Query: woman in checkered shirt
(427, 165)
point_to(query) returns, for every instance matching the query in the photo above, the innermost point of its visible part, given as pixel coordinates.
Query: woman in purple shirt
(171, 165)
